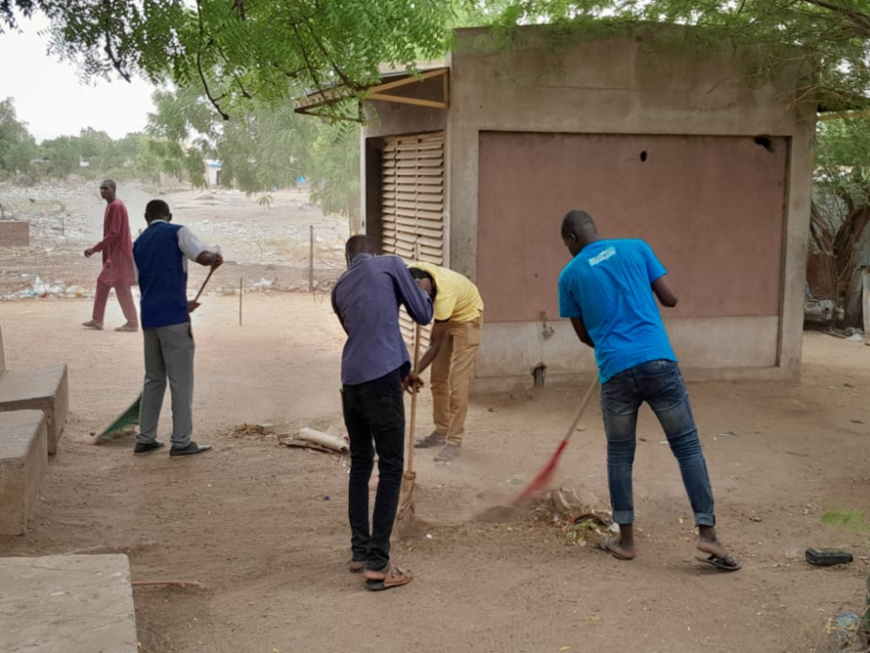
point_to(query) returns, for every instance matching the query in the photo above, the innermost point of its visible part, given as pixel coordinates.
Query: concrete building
(213, 173)
(474, 163)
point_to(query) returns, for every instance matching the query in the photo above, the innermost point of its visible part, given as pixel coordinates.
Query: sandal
(93, 325)
(725, 563)
(129, 328)
(357, 566)
(387, 578)
(607, 545)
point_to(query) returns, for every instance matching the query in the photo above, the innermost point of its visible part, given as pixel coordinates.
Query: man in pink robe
(118, 268)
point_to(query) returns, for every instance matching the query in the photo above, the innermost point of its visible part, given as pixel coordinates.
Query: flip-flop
(726, 563)
(605, 545)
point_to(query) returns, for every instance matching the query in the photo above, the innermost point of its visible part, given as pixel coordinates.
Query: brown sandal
(388, 577)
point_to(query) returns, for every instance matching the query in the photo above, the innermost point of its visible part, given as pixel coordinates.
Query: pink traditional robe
(117, 247)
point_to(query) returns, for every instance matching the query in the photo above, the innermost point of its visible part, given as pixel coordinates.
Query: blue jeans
(660, 384)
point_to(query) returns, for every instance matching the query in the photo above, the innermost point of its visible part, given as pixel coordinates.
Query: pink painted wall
(712, 208)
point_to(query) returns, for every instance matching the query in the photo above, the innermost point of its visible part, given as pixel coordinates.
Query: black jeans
(374, 413)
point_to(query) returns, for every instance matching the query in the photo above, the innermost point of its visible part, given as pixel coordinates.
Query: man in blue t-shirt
(608, 290)
(161, 253)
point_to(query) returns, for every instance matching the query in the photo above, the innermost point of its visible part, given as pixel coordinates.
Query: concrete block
(69, 603)
(45, 389)
(14, 233)
(23, 463)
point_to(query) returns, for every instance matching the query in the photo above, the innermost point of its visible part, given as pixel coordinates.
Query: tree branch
(110, 52)
(338, 71)
(311, 70)
(860, 19)
(214, 101)
(245, 93)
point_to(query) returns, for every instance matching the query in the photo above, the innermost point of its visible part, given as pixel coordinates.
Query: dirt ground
(264, 526)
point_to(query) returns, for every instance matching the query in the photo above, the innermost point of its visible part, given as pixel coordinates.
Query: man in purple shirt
(374, 371)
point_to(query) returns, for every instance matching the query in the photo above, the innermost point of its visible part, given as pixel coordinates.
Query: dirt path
(264, 526)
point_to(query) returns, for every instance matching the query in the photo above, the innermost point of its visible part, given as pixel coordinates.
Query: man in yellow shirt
(452, 350)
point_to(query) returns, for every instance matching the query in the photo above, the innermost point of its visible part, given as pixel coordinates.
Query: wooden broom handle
(202, 287)
(413, 428)
(582, 409)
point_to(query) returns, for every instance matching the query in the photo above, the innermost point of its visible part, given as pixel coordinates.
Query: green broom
(130, 417)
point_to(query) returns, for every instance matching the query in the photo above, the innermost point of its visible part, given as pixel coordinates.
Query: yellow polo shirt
(457, 299)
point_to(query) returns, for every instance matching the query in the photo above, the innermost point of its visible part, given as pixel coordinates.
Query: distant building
(213, 172)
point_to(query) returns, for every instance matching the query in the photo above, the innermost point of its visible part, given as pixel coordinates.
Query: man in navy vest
(161, 254)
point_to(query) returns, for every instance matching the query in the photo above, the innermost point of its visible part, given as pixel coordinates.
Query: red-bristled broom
(542, 480)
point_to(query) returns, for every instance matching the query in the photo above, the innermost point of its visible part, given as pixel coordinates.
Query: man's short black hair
(156, 209)
(417, 273)
(575, 221)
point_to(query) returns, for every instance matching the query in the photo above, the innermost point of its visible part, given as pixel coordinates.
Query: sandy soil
(264, 526)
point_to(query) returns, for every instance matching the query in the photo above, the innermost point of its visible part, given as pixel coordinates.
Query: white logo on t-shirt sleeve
(603, 256)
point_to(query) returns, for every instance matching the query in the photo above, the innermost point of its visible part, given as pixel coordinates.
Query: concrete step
(23, 463)
(69, 603)
(45, 389)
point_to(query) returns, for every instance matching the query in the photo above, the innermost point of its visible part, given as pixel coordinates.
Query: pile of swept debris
(576, 512)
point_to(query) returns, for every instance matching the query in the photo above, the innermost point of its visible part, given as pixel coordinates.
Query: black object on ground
(827, 557)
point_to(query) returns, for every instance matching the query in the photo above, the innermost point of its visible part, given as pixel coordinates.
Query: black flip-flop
(726, 563)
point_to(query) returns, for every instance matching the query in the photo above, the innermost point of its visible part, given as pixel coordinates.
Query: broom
(406, 500)
(130, 417)
(542, 480)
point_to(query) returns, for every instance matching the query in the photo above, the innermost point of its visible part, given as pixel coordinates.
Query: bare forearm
(582, 332)
(427, 359)
(208, 258)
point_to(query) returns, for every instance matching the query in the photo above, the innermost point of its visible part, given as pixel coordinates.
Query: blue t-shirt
(608, 285)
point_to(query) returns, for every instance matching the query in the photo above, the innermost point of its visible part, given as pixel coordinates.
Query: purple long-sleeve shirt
(366, 299)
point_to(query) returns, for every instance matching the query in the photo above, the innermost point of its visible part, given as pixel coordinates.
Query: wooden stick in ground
(202, 287)
(240, 300)
(311, 258)
(176, 583)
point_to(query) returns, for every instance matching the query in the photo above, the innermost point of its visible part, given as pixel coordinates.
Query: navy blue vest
(162, 277)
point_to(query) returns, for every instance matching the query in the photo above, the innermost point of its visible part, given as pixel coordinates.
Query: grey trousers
(168, 353)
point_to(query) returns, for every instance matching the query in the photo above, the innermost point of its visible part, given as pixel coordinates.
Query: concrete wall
(632, 87)
(712, 208)
(14, 233)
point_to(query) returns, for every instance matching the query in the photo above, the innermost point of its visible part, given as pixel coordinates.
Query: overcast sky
(50, 98)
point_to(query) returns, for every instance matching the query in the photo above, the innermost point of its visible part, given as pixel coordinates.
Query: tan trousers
(451, 376)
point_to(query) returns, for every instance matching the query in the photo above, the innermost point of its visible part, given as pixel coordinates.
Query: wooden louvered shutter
(413, 205)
